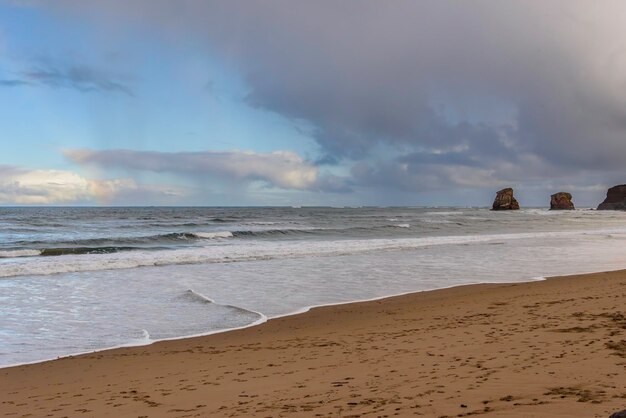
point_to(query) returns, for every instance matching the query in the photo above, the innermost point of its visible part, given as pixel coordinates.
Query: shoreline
(450, 346)
(105, 333)
(263, 319)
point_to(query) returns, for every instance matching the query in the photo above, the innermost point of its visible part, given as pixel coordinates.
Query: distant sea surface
(75, 280)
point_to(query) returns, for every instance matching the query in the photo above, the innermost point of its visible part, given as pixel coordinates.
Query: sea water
(75, 280)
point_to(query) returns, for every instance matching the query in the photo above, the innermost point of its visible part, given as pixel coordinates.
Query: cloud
(14, 83)
(282, 169)
(455, 94)
(79, 77)
(42, 187)
(395, 75)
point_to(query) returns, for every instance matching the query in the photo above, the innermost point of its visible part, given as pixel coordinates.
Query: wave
(19, 253)
(107, 245)
(316, 231)
(104, 245)
(257, 233)
(444, 213)
(99, 245)
(434, 221)
(276, 232)
(177, 236)
(253, 251)
(194, 296)
(197, 297)
(221, 220)
(213, 235)
(92, 245)
(53, 252)
(122, 241)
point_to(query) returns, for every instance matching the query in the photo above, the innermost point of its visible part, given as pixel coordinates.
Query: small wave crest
(434, 221)
(144, 338)
(213, 235)
(274, 232)
(194, 296)
(177, 236)
(444, 213)
(197, 297)
(53, 252)
(220, 220)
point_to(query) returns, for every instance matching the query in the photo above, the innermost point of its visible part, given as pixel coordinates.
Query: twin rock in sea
(615, 200)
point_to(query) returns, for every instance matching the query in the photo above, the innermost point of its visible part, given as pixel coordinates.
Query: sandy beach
(554, 348)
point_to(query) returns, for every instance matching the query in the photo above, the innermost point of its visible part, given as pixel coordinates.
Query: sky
(292, 102)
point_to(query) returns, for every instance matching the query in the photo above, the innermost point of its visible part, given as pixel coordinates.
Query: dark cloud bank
(426, 95)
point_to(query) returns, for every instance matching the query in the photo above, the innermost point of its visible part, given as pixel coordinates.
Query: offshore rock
(505, 200)
(561, 201)
(615, 198)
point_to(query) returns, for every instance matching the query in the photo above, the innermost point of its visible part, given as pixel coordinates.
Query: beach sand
(554, 348)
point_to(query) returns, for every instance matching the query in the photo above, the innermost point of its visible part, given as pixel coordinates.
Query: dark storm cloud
(425, 80)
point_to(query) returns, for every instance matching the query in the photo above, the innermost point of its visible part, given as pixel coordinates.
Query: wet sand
(555, 348)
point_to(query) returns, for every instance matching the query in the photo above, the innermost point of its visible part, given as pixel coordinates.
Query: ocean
(75, 280)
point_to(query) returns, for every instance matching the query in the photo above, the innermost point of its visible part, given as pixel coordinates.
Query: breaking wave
(250, 251)
(167, 241)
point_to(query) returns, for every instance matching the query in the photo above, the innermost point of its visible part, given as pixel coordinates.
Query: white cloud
(43, 187)
(40, 187)
(282, 169)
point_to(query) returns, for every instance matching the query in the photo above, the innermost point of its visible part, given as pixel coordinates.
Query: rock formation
(505, 200)
(561, 201)
(615, 198)
(620, 414)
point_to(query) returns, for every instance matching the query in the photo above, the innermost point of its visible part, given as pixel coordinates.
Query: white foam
(145, 335)
(147, 340)
(251, 251)
(541, 211)
(434, 221)
(403, 226)
(213, 235)
(19, 253)
(442, 213)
